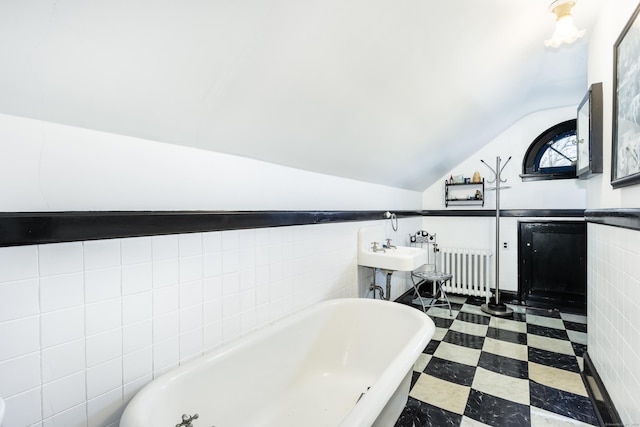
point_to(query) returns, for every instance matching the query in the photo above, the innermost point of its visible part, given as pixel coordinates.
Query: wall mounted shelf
(461, 194)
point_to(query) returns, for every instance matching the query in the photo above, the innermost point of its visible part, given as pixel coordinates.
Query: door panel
(553, 270)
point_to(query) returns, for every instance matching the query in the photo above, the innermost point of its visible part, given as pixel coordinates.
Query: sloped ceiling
(382, 91)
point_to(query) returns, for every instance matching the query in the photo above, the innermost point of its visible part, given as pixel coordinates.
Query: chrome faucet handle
(389, 245)
(375, 248)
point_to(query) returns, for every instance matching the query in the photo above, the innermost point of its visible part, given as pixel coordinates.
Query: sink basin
(2, 409)
(403, 258)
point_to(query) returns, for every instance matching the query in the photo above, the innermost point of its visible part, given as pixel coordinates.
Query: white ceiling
(383, 91)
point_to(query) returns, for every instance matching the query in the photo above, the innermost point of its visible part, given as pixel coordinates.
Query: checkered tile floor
(480, 370)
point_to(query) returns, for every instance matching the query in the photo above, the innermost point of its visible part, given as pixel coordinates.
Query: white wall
(51, 167)
(613, 253)
(477, 232)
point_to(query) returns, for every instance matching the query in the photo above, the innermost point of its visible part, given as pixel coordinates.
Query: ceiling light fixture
(565, 31)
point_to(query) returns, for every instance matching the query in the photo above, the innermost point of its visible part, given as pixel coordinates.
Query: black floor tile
(505, 335)
(495, 411)
(414, 378)
(575, 326)
(555, 360)
(473, 318)
(561, 402)
(456, 306)
(475, 301)
(560, 334)
(420, 414)
(465, 340)
(544, 312)
(431, 347)
(451, 371)
(504, 365)
(441, 322)
(579, 349)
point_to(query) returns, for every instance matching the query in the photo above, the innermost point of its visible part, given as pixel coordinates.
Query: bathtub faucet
(187, 421)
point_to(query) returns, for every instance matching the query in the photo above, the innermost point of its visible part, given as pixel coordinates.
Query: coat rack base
(499, 310)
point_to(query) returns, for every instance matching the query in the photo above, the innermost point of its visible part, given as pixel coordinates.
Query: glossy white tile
(230, 240)
(104, 347)
(20, 374)
(100, 254)
(190, 268)
(137, 307)
(24, 409)
(166, 273)
(136, 250)
(137, 364)
(62, 394)
(61, 291)
(190, 318)
(103, 316)
(18, 263)
(104, 377)
(137, 278)
(166, 326)
(60, 258)
(19, 337)
(105, 409)
(102, 284)
(19, 299)
(212, 242)
(190, 244)
(230, 284)
(75, 416)
(63, 360)
(165, 247)
(166, 353)
(136, 336)
(59, 327)
(166, 300)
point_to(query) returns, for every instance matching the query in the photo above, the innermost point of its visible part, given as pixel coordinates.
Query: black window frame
(531, 163)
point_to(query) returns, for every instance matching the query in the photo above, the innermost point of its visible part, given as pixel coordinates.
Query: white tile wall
(613, 269)
(87, 324)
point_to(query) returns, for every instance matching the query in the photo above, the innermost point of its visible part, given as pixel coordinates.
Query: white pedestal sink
(400, 258)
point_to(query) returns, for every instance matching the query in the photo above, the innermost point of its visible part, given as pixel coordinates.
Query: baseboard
(602, 403)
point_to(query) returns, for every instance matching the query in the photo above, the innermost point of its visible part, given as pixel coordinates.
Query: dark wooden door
(553, 264)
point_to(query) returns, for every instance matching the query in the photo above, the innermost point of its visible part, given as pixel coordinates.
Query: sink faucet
(389, 245)
(375, 248)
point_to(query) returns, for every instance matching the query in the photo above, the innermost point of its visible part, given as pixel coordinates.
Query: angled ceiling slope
(366, 90)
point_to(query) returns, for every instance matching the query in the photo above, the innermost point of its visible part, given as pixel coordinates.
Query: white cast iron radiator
(471, 270)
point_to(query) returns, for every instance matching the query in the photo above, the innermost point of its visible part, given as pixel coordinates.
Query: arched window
(553, 154)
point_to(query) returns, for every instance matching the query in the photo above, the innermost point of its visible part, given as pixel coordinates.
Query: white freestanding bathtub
(344, 362)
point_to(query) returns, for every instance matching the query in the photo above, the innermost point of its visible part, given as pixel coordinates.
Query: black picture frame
(589, 133)
(625, 155)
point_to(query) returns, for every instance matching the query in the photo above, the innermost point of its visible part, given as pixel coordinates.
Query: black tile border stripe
(54, 227)
(508, 213)
(624, 218)
(604, 407)
(29, 228)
